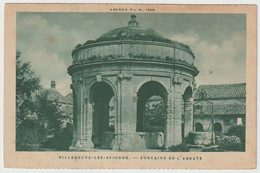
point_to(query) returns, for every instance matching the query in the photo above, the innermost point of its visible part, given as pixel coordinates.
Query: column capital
(125, 76)
(77, 80)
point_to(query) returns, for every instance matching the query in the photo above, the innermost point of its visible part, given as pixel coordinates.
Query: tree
(29, 133)
(155, 117)
(48, 112)
(36, 115)
(238, 131)
(52, 116)
(27, 83)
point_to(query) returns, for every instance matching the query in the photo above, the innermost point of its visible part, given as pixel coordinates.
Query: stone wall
(226, 122)
(137, 50)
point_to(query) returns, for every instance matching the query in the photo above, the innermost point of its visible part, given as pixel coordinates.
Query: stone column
(87, 143)
(188, 117)
(173, 120)
(135, 112)
(130, 140)
(74, 140)
(169, 121)
(177, 137)
(116, 141)
(126, 104)
(77, 84)
(84, 123)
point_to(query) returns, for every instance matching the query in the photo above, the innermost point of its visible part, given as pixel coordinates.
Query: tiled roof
(69, 97)
(223, 91)
(54, 95)
(220, 109)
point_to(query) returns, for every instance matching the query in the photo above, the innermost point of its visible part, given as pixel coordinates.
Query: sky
(217, 40)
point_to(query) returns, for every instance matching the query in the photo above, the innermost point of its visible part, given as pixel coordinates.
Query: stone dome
(135, 32)
(132, 33)
(133, 42)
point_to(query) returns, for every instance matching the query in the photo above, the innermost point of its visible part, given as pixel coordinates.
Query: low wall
(106, 139)
(154, 140)
(202, 138)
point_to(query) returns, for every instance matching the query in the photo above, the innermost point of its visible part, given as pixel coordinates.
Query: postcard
(130, 86)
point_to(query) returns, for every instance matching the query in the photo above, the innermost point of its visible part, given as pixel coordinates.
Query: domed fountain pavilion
(115, 76)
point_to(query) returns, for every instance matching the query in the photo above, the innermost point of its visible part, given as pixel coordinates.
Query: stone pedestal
(84, 145)
(188, 117)
(133, 142)
(173, 123)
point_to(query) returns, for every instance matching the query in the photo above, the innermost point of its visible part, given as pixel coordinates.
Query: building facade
(65, 102)
(124, 68)
(224, 104)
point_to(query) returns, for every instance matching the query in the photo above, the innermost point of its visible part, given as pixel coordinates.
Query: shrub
(217, 139)
(230, 143)
(183, 147)
(189, 139)
(61, 140)
(29, 135)
(179, 148)
(238, 131)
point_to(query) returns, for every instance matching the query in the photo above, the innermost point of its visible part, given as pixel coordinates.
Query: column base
(116, 147)
(82, 145)
(73, 144)
(115, 143)
(132, 142)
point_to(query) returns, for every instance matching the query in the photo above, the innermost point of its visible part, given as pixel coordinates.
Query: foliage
(61, 140)
(50, 113)
(189, 139)
(210, 149)
(217, 139)
(155, 117)
(29, 131)
(27, 83)
(230, 143)
(238, 131)
(183, 147)
(29, 135)
(37, 116)
(136, 36)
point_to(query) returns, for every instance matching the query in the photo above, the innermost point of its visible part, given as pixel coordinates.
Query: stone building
(56, 96)
(229, 107)
(124, 68)
(65, 102)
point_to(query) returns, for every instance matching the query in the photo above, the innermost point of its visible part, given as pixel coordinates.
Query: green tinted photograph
(130, 82)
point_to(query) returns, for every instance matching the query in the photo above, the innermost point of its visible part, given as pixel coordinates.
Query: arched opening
(100, 96)
(187, 94)
(151, 113)
(187, 115)
(154, 115)
(198, 127)
(217, 128)
(151, 107)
